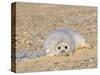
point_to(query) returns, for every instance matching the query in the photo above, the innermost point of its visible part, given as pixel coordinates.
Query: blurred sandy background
(33, 23)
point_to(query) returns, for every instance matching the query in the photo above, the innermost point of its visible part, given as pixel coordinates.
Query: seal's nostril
(62, 51)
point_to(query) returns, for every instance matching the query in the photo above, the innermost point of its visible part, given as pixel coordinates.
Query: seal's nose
(62, 51)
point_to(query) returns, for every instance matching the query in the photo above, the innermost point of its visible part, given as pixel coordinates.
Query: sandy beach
(35, 21)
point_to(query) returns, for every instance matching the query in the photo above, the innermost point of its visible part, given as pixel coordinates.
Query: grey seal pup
(64, 42)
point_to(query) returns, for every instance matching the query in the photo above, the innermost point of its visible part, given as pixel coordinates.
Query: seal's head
(63, 49)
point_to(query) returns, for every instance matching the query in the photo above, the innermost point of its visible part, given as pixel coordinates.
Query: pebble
(56, 63)
(91, 60)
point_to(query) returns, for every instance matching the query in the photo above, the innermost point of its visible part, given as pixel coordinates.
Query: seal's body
(63, 42)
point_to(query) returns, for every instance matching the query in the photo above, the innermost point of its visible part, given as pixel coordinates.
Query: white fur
(67, 39)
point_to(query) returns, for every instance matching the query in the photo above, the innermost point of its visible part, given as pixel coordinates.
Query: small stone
(56, 63)
(91, 60)
(66, 61)
(24, 33)
(30, 44)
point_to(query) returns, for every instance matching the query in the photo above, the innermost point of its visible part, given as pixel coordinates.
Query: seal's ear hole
(59, 48)
(66, 47)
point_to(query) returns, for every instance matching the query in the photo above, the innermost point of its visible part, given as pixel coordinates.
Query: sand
(82, 59)
(35, 21)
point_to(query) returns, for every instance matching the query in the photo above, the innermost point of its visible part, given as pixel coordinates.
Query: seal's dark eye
(65, 47)
(58, 48)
